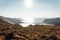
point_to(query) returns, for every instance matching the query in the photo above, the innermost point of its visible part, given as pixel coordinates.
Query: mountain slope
(55, 21)
(10, 20)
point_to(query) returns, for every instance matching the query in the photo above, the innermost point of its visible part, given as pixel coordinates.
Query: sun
(28, 3)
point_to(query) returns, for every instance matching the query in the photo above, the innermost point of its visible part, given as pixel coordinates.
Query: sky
(30, 8)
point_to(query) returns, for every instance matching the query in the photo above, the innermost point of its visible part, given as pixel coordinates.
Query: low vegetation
(36, 32)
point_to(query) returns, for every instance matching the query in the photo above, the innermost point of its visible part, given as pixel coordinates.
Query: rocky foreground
(36, 32)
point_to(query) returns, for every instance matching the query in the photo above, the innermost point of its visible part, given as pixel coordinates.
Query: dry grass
(37, 32)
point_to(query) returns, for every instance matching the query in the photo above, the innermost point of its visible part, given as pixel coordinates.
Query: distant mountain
(2, 19)
(10, 20)
(43, 21)
(46, 21)
(55, 21)
(15, 20)
(38, 20)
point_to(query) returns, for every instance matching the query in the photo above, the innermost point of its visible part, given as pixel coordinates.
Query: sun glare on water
(27, 21)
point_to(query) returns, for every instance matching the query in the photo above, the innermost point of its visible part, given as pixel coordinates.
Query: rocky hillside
(36, 32)
(8, 22)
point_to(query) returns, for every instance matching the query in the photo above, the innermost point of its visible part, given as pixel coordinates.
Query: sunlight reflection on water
(24, 24)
